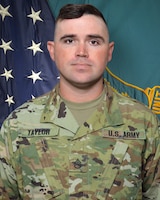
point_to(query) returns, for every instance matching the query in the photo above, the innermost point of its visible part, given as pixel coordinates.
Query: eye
(94, 42)
(68, 41)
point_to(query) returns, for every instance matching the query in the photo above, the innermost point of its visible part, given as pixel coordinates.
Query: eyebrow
(68, 36)
(91, 36)
(96, 36)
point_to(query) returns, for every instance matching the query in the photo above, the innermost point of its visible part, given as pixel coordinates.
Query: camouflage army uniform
(113, 155)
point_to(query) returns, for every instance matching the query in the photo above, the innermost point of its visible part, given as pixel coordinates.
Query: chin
(84, 85)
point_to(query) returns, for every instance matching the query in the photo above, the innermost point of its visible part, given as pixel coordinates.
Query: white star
(35, 47)
(4, 12)
(7, 74)
(9, 100)
(33, 97)
(35, 76)
(5, 46)
(35, 15)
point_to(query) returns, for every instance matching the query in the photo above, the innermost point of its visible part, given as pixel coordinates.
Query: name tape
(124, 134)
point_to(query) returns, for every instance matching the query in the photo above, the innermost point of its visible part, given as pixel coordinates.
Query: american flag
(26, 69)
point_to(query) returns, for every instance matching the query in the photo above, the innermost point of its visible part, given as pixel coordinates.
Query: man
(82, 140)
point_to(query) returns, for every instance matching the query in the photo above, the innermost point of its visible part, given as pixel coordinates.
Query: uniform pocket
(122, 174)
(41, 179)
(111, 169)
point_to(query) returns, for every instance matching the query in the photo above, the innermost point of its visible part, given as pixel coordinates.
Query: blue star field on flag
(26, 69)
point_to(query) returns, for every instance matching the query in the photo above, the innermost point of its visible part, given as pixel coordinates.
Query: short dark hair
(72, 11)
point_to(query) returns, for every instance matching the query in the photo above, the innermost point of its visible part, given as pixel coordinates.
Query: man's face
(81, 50)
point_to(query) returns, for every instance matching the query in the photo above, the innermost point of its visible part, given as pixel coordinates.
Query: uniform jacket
(114, 155)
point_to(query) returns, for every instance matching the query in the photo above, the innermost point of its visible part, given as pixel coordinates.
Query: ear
(110, 50)
(50, 47)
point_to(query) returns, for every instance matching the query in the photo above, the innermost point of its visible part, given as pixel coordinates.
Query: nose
(81, 50)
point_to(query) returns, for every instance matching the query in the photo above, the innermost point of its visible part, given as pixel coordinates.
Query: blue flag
(26, 69)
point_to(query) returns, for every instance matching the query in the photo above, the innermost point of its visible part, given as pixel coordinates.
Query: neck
(80, 95)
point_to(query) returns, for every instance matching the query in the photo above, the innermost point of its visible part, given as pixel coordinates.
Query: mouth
(81, 64)
(82, 67)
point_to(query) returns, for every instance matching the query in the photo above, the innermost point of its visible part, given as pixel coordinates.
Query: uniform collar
(107, 114)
